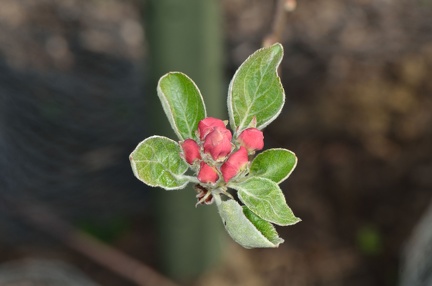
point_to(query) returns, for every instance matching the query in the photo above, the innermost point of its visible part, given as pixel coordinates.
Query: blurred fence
(66, 139)
(66, 131)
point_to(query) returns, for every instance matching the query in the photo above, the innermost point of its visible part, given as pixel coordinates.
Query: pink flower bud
(218, 143)
(235, 163)
(191, 151)
(252, 139)
(207, 174)
(207, 125)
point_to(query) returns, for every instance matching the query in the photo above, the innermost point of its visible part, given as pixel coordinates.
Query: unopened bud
(235, 163)
(191, 151)
(207, 174)
(207, 125)
(218, 143)
(252, 139)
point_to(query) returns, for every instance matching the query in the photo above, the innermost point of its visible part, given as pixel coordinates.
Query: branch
(103, 254)
(282, 7)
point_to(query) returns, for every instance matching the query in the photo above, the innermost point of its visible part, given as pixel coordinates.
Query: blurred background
(78, 93)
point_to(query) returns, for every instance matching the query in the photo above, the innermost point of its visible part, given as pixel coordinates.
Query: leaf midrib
(261, 71)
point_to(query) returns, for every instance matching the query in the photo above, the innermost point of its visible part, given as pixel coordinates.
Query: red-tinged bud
(207, 125)
(207, 174)
(235, 163)
(218, 143)
(252, 139)
(191, 151)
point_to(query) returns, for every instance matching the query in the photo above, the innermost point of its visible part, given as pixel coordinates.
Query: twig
(103, 254)
(290, 5)
(282, 7)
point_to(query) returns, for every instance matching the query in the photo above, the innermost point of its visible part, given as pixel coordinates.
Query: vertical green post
(185, 36)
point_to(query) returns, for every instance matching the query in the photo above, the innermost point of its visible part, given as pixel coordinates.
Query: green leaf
(156, 161)
(256, 89)
(266, 228)
(182, 103)
(274, 164)
(246, 228)
(266, 200)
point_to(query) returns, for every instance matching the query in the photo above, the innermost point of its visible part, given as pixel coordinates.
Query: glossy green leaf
(182, 103)
(156, 161)
(274, 164)
(266, 200)
(256, 89)
(246, 228)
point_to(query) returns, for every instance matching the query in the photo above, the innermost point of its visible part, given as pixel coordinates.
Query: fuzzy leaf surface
(182, 102)
(156, 161)
(246, 228)
(274, 164)
(256, 89)
(266, 200)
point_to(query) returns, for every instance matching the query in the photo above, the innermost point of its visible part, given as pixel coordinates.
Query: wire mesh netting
(69, 122)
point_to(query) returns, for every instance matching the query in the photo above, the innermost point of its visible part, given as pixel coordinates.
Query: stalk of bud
(235, 164)
(191, 151)
(252, 139)
(218, 143)
(207, 174)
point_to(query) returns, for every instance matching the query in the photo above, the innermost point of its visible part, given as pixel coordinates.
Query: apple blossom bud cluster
(220, 162)
(216, 157)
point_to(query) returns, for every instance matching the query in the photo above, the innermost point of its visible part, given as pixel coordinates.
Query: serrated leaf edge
(166, 107)
(280, 240)
(135, 171)
(239, 192)
(229, 101)
(283, 149)
(269, 243)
